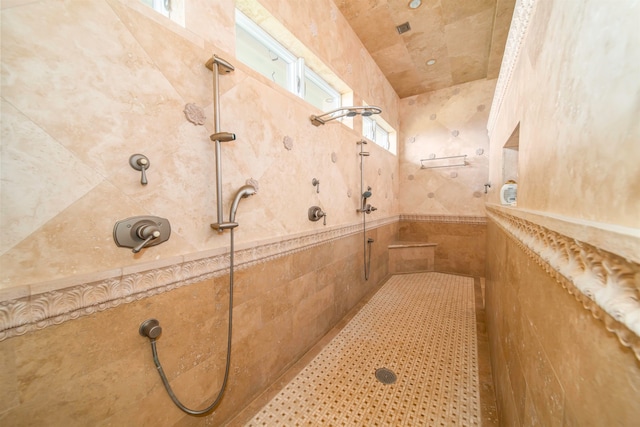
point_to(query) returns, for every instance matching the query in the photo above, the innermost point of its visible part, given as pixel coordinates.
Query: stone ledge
(411, 257)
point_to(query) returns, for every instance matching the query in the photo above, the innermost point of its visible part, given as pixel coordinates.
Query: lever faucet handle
(140, 232)
(141, 163)
(148, 233)
(315, 213)
(143, 167)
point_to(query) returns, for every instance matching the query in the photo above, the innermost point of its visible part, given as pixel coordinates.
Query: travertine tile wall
(553, 363)
(569, 90)
(442, 123)
(447, 122)
(98, 370)
(86, 85)
(460, 247)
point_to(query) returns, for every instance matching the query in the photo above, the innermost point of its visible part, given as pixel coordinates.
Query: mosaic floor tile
(422, 327)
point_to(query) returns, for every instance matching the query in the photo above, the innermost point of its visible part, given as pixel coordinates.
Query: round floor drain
(386, 376)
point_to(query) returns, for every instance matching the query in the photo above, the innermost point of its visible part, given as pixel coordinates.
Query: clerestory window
(260, 51)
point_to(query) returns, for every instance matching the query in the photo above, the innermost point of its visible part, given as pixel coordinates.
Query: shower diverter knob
(315, 213)
(141, 231)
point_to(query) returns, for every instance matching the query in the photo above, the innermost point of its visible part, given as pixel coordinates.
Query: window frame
(297, 72)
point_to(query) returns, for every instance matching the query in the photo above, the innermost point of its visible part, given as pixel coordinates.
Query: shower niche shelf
(443, 162)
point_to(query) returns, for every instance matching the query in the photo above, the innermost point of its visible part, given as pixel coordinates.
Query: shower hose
(366, 242)
(156, 360)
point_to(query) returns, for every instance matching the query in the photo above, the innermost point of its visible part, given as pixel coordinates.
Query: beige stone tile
(180, 60)
(29, 157)
(15, 293)
(9, 395)
(14, 3)
(548, 335)
(259, 279)
(93, 249)
(301, 288)
(411, 259)
(79, 363)
(506, 404)
(85, 40)
(531, 417)
(461, 247)
(250, 316)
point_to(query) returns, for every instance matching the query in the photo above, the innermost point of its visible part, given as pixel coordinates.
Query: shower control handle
(140, 232)
(315, 213)
(148, 233)
(140, 162)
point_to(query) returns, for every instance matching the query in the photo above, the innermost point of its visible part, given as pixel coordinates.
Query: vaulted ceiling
(449, 41)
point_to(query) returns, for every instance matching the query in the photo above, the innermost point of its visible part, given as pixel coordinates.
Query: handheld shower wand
(365, 196)
(244, 192)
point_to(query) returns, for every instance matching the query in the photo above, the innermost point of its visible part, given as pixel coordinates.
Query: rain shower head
(365, 111)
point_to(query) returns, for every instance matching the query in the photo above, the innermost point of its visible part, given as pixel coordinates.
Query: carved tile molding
(21, 315)
(608, 285)
(519, 25)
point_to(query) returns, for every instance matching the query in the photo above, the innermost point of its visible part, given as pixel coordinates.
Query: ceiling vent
(403, 28)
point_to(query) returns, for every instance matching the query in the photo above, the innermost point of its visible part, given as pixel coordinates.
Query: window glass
(259, 51)
(373, 130)
(368, 128)
(172, 9)
(264, 54)
(318, 92)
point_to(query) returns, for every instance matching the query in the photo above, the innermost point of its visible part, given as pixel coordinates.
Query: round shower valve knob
(150, 328)
(315, 213)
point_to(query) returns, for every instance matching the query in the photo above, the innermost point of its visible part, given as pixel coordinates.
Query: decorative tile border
(519, 25)
(30, 313)
(606, 284)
